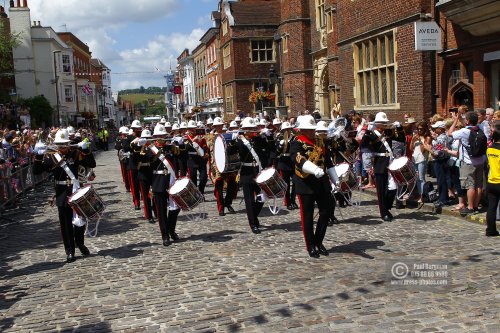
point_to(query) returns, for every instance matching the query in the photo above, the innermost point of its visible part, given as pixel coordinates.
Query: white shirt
(485, 127)
(463, 136)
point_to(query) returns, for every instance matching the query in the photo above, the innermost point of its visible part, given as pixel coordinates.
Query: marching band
(166, 167)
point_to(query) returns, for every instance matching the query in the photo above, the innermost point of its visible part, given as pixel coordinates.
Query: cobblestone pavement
(223, 278)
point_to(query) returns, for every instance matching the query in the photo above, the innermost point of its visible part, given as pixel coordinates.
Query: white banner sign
(428, 36)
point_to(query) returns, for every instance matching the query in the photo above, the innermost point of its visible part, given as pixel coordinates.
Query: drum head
(80, 193)
(265, 175)
(398, 163)
(220, 154)
(179, 185)
(342, 169)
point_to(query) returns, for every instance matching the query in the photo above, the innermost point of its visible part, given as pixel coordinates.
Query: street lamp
(56, 82)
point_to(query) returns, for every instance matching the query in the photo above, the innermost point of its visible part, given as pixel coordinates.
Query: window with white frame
(375, 71)
(224, 27)
(226, 53)
(228, 91)
(329, 21)
(284, 43)
(68, 93)
(262, 50)
(66, 63)
(320, 14)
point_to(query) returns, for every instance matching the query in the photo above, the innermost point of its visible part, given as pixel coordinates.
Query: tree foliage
(142, 90)
(40, 110)
(8, 42)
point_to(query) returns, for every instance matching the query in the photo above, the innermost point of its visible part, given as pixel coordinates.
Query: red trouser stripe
(285, 202)
(216, 192)
(132, 188)
(123, 172)
(302, 221)
(144, 202)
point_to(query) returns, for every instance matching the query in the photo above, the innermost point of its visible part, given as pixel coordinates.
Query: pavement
(222, 278)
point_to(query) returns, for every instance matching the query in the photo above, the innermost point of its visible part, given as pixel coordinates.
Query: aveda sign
(427, 36)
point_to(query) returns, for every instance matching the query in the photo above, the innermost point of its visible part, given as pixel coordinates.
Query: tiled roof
(256, 12)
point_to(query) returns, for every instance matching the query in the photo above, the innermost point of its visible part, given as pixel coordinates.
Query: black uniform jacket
(370, 139)
(134, 150)
(161, 176)
(259, 144)
(74, 158)
(302, 147)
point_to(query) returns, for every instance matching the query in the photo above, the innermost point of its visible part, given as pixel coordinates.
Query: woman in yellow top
(493, 154)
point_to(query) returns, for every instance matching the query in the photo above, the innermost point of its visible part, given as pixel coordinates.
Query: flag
(88, 90)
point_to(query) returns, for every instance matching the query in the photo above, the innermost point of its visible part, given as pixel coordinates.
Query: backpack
(428, 192)
(478, 142)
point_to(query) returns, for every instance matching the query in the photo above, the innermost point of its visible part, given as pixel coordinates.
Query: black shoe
(174, 236)
(137, 207)
(438, 204)
(466, 211)
(230, 209)
(399, 205)
(390, 215)
(493, 234)
(322, 250)
(70, 258)
(387, 218)
(313, 253)
(128, 190)
(84, 250)
(334, 220)
(290, 207)
(167, 242)
(221, 213)
(255, 230)
(152, 221)
(294, 205)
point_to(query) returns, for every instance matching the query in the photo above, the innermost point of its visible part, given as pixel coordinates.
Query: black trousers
(135, 187)
(384, 196)
(194, 169)
(145, 186)
(253, 208)
(167, 220)
(125, 177)
(290, 188)
(311, 237)
(181, 166)
(219, 191)
(71, 234)
(491, 214)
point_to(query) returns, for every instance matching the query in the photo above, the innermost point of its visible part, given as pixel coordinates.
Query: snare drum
(347, 178)
(271, 183)
(87, 203)
(402, 170)
(225, 154)
(185, 194)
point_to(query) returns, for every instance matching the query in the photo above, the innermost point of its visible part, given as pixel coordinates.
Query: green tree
(40, 110)
(8, 42)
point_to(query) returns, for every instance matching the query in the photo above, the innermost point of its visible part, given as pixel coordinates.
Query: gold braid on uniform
(315, 157)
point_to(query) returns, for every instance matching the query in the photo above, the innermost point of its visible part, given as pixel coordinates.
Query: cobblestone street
(222, 278)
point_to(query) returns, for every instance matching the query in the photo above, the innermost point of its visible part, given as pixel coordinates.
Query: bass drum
(226, 158)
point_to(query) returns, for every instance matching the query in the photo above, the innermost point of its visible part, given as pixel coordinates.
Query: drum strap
(252, 151)
(386, 144)
(163, 160)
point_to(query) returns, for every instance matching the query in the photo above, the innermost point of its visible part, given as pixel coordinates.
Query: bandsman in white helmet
(380, 136)
(198, 156)
(285, 165)
(168, 127)
(163, 121)
(180, 140)
(312, 184)
(233, 126)
(64, 168)
(134, 157)
(122, 156)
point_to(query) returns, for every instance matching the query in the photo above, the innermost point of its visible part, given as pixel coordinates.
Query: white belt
(285, 154)
(383, 154)
(160, 172)
(193, 153)
(64, 182)
(252, 164)
(143, 164)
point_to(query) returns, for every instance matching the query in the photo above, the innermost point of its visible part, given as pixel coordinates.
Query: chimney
(25, 3)
(18, 3)
(11, 3)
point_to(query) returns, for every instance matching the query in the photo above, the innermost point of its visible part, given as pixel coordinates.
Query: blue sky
(130, 35)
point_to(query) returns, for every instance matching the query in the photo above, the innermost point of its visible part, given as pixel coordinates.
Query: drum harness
(77, 220)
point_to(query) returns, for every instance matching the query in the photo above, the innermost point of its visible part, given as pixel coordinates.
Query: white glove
(397, 124)
(319, 173)
(40, 148)
(83, 145)
(311, 168)
(371, 127)
(141, 142)
(234, 136)
(282, 142)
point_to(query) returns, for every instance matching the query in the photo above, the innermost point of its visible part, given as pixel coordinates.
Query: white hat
(233, 124)
(136, 124)
(191, 124)
(285, 125)
(78, 135)
(224, 128)
(199, 124)
(175, 127)
(263, 122)
(248, 122)
(410, 120)
(71, 130)
(439, 124)
(218, 121)
(163, 121)
(183, 125)
(124, 130)
(237, 118)
(306, 122)
(210, 121)
(381, 117)
(130, 131)
(276, 121)
(62, 136)
(167, 124)
(159, 130)
(146, 133)
(321, 126)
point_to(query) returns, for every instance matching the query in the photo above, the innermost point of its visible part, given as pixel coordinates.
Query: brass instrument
(285, 142)
(315, 156)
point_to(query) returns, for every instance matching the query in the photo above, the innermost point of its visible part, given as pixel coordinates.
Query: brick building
(213, 100)
(200, 75)
(469, 65)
